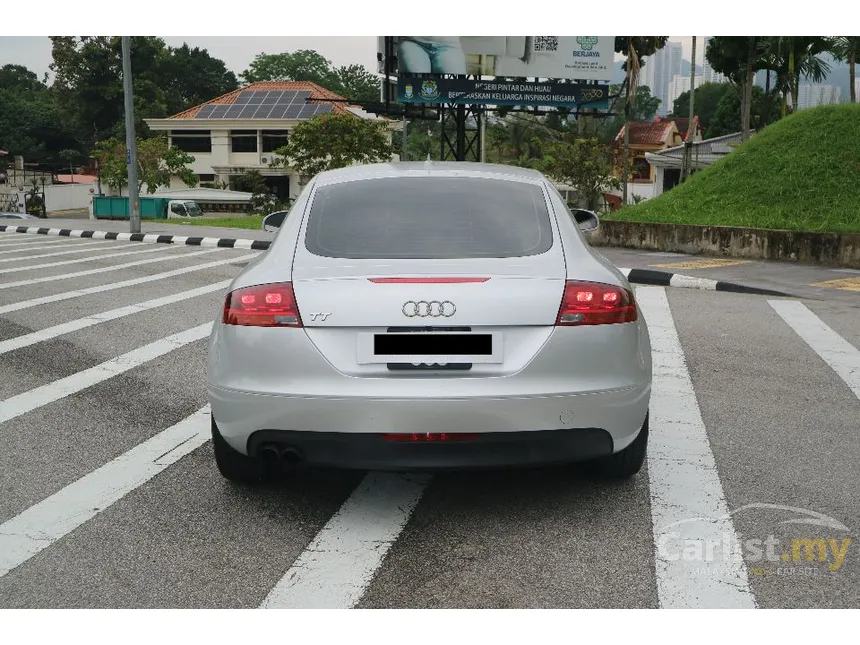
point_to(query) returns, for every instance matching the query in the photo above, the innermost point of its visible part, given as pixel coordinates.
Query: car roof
(430, 168)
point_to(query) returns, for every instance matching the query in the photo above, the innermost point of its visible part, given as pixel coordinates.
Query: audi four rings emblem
(433, 309)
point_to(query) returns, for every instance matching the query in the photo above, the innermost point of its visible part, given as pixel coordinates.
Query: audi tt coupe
(421, 316)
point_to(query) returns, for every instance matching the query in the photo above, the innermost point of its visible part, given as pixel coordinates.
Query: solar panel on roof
(241, 99)
(272, 97)
(218, 111)
(264, 111)
(324, 108)
(287, 97)
(256, 97)
(293, 111)
(279, 111)
(234, 111)
(204, 111)
(248, 111)
(307, 111)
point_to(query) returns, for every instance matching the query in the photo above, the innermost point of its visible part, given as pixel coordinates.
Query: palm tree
(794, 56)
(847, 48)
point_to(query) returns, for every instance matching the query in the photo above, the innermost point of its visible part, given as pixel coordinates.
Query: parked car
(423, 316)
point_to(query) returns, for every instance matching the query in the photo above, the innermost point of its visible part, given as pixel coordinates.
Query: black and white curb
(638, 276)
(666, 279)
(147, 238)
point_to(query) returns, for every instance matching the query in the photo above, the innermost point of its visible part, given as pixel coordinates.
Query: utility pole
(688, 143)
(403, 154)
(130, 141)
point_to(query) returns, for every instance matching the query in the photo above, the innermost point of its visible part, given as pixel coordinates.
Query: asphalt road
(109, 496)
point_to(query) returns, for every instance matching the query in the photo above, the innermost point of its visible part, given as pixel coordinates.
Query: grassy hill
(801, 173)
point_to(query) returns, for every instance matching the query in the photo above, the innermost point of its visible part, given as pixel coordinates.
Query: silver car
(419, 316)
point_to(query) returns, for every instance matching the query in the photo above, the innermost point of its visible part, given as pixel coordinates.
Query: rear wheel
(624, 463)
(233, 465)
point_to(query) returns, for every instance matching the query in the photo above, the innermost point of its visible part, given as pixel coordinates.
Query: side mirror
(273, 221)
(587, 220)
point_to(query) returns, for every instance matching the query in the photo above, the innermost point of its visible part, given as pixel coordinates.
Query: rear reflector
(594, 303)
(428, 437)
(426, 280)
(265, 305)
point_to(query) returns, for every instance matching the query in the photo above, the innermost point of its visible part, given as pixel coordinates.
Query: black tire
(625, 463)
(233, 465)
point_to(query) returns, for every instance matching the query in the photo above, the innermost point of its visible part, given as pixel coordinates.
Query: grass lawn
(800, 173)
(254, 222)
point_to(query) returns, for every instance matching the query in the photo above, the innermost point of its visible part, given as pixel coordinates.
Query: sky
(34, 52)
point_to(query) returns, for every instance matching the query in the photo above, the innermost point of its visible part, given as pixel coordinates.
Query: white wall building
(240, 131)
(815, 94)
(658, 72)
(708, 73)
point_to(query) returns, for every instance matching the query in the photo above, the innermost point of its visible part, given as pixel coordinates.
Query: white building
(240, 131)
(680, 84)
(708, 73)
(815, 94)
(658, 71)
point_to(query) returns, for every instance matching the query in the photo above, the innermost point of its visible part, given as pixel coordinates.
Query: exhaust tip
(291, 457)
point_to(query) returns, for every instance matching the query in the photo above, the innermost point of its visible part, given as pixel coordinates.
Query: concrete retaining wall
(830, 249)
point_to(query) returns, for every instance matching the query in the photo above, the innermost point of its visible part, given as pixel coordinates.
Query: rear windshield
(429, 217)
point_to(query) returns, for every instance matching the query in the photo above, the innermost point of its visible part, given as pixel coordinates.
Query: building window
(204, 177)
(243, 141)
(641, 169)
(192, 140)
(274, 139)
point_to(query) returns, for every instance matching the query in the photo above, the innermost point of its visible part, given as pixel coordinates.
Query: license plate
(432, 347)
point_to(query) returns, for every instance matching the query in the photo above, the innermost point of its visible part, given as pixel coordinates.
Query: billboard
(563, 57)
(421, 89)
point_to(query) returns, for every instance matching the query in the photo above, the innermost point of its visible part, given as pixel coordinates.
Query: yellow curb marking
(701, 264)
(846, 284)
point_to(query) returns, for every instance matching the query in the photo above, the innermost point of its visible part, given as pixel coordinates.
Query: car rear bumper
(618, 414)
(372, 451)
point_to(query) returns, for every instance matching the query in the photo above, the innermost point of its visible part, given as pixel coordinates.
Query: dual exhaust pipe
(284, 456)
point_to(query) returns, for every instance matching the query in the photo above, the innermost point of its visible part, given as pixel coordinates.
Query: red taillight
(429, 437)
(265, 305)
(594, 303)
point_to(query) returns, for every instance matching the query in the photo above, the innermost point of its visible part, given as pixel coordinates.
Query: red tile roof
(317, 92)
(683, 123)
(649, 133)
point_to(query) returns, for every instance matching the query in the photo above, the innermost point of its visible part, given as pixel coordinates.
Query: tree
(331, 141)
(357, 84)
(19, 78)
(727, 120)
(301, 65)
(635, 49)
(707, 98)
(88, 82)
(156, 163)
(847, 48)
(585, 164)
(739, 58)
(193, 76)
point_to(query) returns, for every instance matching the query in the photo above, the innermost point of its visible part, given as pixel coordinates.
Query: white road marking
(41, 525)
(688, 506)
(77, 274)
(28, 401)
(340, 562)
(66, 328)
(72, 248)
(89, 258)
(842, 357)
(35, 302)
(16, 246)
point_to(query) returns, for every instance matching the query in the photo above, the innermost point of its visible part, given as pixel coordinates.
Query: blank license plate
(417, 347)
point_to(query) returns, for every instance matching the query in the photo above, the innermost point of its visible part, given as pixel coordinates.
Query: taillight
(265, 305)
(595, 303)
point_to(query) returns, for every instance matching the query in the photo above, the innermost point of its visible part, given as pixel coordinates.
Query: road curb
(638, 276)
(146, 238)
(666, 279)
